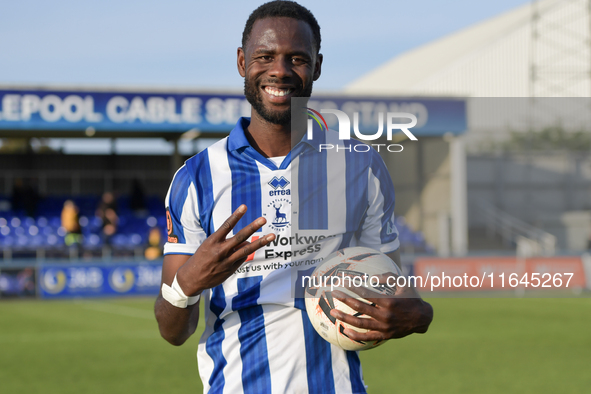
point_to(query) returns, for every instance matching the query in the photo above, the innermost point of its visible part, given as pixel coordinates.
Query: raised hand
(219, 257)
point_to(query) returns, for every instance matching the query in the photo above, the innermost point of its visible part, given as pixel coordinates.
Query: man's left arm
(395, 316)
(418, 312)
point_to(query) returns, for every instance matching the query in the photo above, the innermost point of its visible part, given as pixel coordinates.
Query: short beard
(282, 118)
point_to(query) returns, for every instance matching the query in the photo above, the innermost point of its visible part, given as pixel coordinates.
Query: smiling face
(279, 62)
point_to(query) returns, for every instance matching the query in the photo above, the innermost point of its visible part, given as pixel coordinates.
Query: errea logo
(279, 183)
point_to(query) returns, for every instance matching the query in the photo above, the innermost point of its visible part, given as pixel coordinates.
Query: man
(223, 210)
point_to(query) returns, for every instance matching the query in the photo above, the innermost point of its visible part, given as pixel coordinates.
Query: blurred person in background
(26, 282)
(24, 197)
(17, 282)
(137, 199)
(71, 223)
(154, 249)
(107, 212)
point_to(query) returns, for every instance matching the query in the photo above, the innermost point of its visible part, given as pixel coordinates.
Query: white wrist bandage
(174, 294)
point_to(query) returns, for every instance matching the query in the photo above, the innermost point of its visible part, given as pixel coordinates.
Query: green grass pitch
(505, 345)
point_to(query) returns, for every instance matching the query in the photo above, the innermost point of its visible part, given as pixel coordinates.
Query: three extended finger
(229, 224)
(242, 235)
(241, 253)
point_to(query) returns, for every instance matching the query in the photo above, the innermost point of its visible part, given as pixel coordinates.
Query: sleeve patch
(172, 238)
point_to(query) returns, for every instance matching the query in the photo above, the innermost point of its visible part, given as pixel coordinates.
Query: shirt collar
(238, 140)
(318, 137)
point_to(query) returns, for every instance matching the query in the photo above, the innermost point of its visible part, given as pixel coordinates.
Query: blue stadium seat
(92, 241)
(27, 234)
(5, 230)
(37, 241)
(42, 221)
(22, 241)
(135, 239)
(120, 240)
(151, 221)
(15, 222)
(52, 240)
(8, 240)
(55, 221)
(33, 230)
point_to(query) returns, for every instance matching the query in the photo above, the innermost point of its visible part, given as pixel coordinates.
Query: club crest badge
(278, 214)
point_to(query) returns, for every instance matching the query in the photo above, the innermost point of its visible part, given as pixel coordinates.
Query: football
(355, 267)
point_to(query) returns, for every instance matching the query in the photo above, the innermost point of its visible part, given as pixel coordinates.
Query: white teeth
(277, 92)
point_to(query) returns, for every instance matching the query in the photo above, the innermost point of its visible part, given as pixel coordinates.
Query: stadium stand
(411, 242)
(43, 236)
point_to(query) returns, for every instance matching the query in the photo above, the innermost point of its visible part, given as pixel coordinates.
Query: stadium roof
(539, 49)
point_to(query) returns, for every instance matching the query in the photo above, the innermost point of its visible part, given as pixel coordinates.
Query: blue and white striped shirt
(258, 338)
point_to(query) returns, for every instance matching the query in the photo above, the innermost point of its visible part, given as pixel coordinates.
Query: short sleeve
(378, 230)
(185, 233)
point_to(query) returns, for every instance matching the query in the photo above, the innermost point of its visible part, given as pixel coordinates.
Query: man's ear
(241, 63)
(318, 66)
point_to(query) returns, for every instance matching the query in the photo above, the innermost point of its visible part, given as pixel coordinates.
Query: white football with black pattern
(354, 265)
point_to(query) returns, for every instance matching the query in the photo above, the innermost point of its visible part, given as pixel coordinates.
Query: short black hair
(282, 8)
